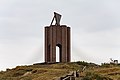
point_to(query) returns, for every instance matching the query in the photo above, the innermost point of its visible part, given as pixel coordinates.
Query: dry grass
(39, 72)
(54, 71)
(110, 72)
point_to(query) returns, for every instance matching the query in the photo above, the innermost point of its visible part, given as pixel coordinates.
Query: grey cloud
(94, 23)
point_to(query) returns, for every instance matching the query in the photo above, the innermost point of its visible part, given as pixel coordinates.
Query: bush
(91, 76)
(19, 73)
(86, 64)
(107, 65)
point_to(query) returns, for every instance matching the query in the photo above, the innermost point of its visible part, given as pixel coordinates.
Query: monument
(57, 35)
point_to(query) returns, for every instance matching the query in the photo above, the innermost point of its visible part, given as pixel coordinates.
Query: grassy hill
(44, 71)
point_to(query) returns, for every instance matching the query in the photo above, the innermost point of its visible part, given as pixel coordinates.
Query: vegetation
(38, 71)
(93, 76)
(44, 71)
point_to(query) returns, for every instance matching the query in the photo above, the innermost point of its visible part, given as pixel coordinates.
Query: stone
(57, 35)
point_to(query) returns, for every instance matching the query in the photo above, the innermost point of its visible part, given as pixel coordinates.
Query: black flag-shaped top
(57, 18)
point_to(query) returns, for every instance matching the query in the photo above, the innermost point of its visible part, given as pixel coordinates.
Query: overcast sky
(95, 26)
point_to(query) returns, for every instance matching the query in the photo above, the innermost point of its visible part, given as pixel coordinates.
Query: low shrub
(92, 76)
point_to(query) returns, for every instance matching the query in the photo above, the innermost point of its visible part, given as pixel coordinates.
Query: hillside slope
(44, 71)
